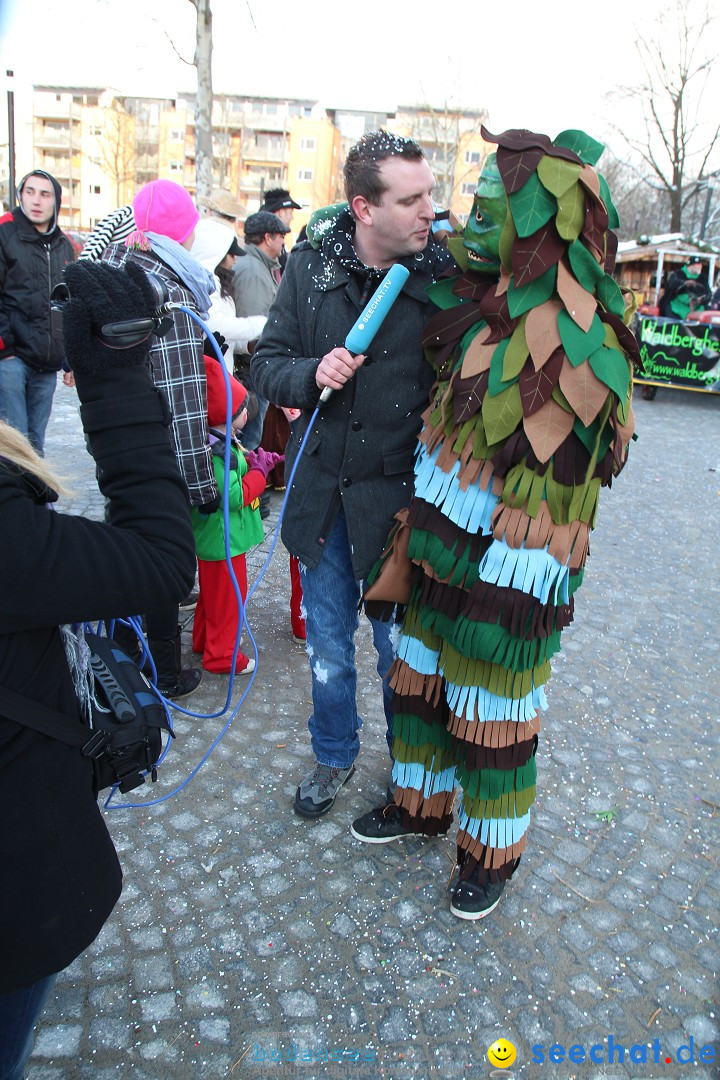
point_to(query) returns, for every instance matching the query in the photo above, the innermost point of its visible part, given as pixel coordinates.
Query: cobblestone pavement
(250, 943)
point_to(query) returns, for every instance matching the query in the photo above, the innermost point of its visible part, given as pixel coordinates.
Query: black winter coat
(31, 264)
(60, 874)
(360, 452)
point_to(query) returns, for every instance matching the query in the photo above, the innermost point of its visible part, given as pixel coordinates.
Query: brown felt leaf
(536, 387)
(589, 179)
(533, 255)
(611, 246)
(516, 138)
(477, 355)
(517, 166)
(547, 429)
(502, 286)
(495, 311)
(625, 336)
(468, 397)
(541, 331)
(583, 390)
(579, 303)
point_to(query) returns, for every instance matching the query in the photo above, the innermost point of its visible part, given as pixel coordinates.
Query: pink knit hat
(163, 207)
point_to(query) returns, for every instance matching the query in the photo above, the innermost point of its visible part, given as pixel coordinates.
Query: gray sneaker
(317, 792)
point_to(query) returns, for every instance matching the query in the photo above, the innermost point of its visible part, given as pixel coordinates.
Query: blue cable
(135, 624)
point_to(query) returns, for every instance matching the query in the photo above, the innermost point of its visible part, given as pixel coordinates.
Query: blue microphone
(373, 315)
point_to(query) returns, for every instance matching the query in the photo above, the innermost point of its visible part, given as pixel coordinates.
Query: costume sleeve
(57, 568)
(279, 370)
(253, 485)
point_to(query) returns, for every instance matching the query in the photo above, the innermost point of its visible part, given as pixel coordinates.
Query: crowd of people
(171, 426)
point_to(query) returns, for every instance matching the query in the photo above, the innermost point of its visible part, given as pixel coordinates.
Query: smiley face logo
(502, 1054)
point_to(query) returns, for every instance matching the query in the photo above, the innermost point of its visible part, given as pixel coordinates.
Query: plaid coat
(178, 370)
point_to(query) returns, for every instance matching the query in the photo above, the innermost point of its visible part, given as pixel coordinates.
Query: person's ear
(362, 210)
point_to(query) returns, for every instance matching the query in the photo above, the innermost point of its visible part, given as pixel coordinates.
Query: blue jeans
(26, 398)
(331, 596)
(19, 1012)
(252, 432)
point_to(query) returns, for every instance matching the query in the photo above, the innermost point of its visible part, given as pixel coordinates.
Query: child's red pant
(216, 614)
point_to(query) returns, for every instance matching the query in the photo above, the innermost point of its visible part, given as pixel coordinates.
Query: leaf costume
(530, 416)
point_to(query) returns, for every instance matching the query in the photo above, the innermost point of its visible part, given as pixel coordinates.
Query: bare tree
(115, 151)
(204, 97)
(675, 151)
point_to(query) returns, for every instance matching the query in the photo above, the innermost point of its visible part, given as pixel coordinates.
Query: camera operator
(62, 877)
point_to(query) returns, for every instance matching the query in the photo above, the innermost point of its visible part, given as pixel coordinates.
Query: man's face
(401, 223)
(285, 213)
(486, 220)
(274, 243)
(38, 202)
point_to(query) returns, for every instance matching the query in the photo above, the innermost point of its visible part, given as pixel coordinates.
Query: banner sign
(686, 355)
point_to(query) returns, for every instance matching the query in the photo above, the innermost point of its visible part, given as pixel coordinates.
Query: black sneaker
(317, 792)
(381, 825)
(470, 900)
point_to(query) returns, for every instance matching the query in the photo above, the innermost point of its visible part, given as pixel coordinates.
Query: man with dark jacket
(33, 254)
(356, 470)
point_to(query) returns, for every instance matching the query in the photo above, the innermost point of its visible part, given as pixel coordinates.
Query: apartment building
(102, 147)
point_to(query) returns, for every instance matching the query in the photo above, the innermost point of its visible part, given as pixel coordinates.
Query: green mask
(486, 220)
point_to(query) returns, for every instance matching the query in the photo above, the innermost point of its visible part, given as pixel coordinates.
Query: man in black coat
(33, 254)
(356, 471)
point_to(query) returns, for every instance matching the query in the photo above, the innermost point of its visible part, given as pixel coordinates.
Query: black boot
(172, 681)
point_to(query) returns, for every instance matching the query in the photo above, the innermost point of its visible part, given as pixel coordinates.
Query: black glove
(210, 507)
(101, 294)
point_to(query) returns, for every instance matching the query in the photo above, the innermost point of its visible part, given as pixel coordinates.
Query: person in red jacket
(216, 615)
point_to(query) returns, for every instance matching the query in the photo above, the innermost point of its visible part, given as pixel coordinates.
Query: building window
(472, 157)
(176, 166)
(307, 144)
(304, 175)
(94, 189)
(177, 135)
(468, 189)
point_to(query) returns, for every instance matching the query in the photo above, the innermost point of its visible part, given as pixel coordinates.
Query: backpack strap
(50, 722)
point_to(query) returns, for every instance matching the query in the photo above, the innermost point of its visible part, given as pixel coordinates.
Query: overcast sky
(543, 65)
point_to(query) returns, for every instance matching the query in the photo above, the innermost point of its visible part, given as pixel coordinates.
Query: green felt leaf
(586, 148)
(570, 217)
(516, 353)
(456, 247)
(532, 206)
(496, 384)
(562, 401)
(577, 344)
(589, 436)
(558, 176)
(530, 295)
(611, 338)
(610, 296)
(507, 239)
(613, 216)
(502, 414)
(441, 293)
(585, 266)
(612, 368)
